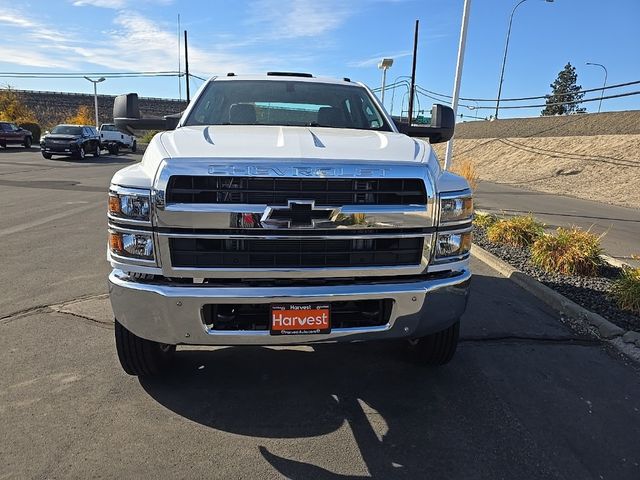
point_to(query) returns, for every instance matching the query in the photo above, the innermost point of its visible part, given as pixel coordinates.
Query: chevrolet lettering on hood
(265, 171)
(285, 209)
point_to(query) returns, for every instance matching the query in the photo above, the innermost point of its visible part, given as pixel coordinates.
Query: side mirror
(443, 122)
(126, 116)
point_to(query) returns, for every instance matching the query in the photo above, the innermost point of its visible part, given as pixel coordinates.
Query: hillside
(591, 156)
(52, 108)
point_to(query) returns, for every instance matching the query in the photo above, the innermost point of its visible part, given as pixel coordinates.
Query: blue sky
(326, 37)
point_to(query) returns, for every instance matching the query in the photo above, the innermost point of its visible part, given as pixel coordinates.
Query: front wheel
(139, 356)
(81, 153)
(46, 155)
(134, 147)
(27, 142)
(97, 152)
(437, 348)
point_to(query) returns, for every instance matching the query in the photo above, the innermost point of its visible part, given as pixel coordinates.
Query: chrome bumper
(172, 314)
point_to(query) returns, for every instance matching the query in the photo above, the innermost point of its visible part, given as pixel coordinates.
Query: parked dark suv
(10, 134)
(71, 141)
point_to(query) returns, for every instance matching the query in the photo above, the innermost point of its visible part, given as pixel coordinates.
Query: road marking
(51, 218)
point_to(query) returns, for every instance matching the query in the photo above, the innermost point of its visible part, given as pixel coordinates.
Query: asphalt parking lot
(525, 397)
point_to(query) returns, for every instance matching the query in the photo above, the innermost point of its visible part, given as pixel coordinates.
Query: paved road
(622, 225)
(524, 398)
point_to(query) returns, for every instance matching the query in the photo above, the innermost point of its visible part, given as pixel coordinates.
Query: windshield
(67, 130)
(290, 103)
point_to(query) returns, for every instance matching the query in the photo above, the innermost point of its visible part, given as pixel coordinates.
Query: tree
(565, 94)
(13, 109)
(83, 116)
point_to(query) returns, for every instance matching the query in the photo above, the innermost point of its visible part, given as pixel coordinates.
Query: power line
(430, 92)
(628, 94)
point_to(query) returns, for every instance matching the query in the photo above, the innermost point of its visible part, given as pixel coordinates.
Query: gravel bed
(590, 292)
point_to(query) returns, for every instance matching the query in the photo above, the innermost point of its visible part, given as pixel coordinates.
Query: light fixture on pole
(506, 49)
(384, 65)
(605, 81)
(95, 95)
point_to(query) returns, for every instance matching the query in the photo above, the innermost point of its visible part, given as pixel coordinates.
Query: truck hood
(270, 142)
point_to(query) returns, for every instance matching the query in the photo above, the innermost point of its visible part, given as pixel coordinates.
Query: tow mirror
(443, 122)
(126, 116)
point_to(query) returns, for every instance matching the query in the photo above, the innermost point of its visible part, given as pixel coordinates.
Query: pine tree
(565, 93)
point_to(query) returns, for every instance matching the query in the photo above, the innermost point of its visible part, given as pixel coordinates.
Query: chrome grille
(299, 253)
(277, 191)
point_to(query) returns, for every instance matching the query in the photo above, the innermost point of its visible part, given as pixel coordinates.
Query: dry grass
(603, 168)
(484, 220)
(465, 168)
(626, 290)
(520, 231)
(570, 251)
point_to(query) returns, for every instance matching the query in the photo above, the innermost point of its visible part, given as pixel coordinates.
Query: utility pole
(456, 83)
(186, 65)
(179, 59)
(412, 91)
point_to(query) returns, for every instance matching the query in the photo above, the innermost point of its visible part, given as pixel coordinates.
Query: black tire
(81, 153)
(114, 149)
(46, 155)
(139, 356)
(97, 152)
(27, 142)
(3, 145)
(134, 147)
(437, 348)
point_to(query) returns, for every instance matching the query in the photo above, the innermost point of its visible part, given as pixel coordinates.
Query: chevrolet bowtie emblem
(298, 214)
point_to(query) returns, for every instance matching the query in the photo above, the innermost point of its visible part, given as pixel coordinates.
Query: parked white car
(113, 139)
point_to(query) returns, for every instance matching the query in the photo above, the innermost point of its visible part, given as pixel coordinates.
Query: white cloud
(100, 3)
(374, 59)
(115, 4)
(15, 20)
(299, 18)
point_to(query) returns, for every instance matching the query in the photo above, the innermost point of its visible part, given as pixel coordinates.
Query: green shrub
(484, 220)
(34, 128)
(626, 290)
(569, 251)
(520, 231)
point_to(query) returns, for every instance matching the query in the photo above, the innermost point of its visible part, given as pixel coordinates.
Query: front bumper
(172, 314)
(60, 149)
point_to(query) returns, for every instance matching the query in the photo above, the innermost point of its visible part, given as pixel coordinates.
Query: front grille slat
(300, 253)
(277, 191)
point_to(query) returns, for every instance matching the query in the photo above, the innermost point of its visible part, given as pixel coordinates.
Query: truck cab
(286, 209)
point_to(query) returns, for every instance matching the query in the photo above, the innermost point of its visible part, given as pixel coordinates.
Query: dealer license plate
(300, 319)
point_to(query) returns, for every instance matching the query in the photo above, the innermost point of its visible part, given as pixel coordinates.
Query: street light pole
(384, 65)
(95, 95)
(605, 81)
(506, 50)
(456, 83)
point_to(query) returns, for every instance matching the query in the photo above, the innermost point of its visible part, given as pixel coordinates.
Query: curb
(556, 301)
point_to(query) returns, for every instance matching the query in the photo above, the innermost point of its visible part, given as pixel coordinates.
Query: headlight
(132, 245)
(453, 244)
(457, 209)
(130, 203)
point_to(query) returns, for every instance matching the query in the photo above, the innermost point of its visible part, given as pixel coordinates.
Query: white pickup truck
(285, 209)
(113, 139)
